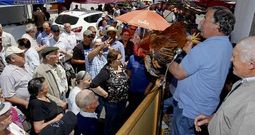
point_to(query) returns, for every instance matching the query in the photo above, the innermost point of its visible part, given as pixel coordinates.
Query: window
(92, 18)
(61, 19)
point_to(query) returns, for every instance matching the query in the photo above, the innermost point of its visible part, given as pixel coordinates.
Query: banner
(17, 2)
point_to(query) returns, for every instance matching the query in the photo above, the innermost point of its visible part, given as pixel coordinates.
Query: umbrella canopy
(145, 19)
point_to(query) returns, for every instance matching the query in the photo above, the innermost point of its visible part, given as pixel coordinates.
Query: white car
(79, 20)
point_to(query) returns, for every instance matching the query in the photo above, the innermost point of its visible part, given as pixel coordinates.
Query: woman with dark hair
(128, 45)
(31, 55)
(114, 80)
(43, 111)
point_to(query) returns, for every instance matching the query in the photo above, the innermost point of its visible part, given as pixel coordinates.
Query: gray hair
(30, 27)
(225, 18)
(84, 98)
(247, 49)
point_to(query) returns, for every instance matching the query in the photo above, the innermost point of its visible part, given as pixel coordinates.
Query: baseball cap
(13, 50)
(55, 28)
(87, 33)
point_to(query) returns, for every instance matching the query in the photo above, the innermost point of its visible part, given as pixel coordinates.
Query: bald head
(246, 48)
(243, 58)
(46, 27)
(67, 27)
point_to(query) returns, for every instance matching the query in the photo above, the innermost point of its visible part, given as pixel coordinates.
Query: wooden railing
(145, 119)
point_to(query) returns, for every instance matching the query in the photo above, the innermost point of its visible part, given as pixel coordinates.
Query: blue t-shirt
(207, 66)
(138, 80)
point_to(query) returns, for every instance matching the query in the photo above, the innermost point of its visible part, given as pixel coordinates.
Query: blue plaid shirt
(94, 66)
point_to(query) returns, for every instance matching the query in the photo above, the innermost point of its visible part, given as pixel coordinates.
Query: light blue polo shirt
(207, 66)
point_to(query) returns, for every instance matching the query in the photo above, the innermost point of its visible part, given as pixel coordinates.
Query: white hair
(247, 49)
(30, 27)
(84, 98)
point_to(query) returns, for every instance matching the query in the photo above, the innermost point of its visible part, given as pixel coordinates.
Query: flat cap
(45, 51)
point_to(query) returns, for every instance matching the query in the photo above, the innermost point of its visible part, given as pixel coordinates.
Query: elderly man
(203, 71)
(30, 35)
(6, 38)
(43, 37)
(15, 77)
(61, 42)
(235, 116)
(54, 74)
(69, 35)
(81, 51)
(95, 60)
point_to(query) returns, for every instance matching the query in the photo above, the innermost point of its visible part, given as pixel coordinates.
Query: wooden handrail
(144, 119)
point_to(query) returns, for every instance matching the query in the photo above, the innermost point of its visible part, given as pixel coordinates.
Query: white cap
(13, 50)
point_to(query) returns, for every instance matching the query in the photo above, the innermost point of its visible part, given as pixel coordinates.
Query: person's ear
(217, 26)
(12, 59)
(252, 65)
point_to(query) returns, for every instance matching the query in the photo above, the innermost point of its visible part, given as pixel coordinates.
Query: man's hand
(201, 120)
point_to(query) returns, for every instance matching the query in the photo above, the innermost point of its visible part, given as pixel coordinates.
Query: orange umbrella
(145, 19)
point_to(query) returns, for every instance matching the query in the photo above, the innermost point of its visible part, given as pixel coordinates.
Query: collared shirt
(88, 114)
(71, 38)
(43, 39)
(60, 76)
(8, 40)
(14, 81)
(207, 66)
(32, 58)
(94, 66)
(118, 46)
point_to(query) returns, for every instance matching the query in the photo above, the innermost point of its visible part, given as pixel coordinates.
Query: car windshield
(61, 19)
(92, 18)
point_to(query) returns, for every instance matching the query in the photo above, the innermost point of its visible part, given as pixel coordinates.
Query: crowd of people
(53, 84)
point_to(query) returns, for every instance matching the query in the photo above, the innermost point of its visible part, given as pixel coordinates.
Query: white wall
(244, 13)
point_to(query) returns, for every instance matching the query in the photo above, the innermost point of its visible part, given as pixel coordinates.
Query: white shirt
(32, 58)
(14, 81)
(8, 40)
(88, 114)
(71, 38)
(32, 40)
(71, 100)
